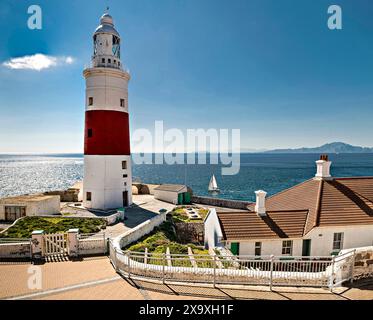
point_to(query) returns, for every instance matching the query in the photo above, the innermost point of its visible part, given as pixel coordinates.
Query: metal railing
(245, 270)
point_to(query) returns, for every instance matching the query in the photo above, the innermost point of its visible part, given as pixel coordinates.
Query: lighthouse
(107, 180)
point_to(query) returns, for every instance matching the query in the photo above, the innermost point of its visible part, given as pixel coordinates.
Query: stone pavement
(95, 278)
(144, 207)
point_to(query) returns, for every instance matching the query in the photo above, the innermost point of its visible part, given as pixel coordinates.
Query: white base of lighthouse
(107, 182)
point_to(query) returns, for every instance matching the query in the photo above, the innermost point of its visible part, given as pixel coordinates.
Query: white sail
(213, 186)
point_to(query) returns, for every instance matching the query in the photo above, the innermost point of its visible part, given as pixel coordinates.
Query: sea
(26, 174)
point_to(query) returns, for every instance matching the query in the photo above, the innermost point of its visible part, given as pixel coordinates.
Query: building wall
(213, 232)
(269, 247)
(353, 237)
(168, 196)
(103, 177)
(45, 207)
(50, 205)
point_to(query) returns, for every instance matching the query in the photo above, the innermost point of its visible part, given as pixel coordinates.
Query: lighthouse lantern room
(107, 180)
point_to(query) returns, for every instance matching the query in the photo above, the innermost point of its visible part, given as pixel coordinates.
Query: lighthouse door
(125, 198)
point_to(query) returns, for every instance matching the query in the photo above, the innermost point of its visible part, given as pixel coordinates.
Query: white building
(107, 158)
(173, 193)
(318, 217)
(12, 208)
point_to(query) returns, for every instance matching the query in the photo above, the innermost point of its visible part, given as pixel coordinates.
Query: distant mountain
(334, 147)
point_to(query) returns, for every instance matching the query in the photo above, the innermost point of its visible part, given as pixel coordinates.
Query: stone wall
(70, 195)
(217, 202)
(190, 232)
(144, 188)
(15, 250)
(363, 267)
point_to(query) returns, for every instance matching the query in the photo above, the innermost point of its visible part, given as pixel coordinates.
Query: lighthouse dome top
(106, 18)
(106, 25)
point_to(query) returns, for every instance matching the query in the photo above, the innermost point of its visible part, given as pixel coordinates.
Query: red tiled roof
(297, 210)
(247, 225)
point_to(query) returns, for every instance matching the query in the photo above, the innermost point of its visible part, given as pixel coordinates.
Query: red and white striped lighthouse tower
(107, 162)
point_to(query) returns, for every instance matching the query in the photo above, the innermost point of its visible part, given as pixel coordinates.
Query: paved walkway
(95, 278)
(144, 207)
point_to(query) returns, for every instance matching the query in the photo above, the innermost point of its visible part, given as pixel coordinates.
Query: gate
(55, 244)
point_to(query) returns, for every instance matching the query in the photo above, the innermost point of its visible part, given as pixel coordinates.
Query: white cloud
(37, 62)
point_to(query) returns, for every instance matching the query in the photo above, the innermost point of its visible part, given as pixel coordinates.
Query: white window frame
(258, 245)
(287, 245)
(339, 241)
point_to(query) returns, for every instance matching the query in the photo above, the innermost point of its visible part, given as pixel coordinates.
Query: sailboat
(213, 186)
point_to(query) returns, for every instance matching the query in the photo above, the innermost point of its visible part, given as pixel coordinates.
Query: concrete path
(95, 278)
(144, 207)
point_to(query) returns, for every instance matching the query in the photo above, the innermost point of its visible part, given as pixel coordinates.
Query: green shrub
(24, 227)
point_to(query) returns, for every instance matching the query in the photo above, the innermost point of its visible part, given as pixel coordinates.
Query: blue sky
(270, 68)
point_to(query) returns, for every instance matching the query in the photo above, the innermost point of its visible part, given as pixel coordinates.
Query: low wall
(115, 218)
(363, 266)
(145, 188)
(95, 246)
(217, 202)
(15, 250)
(70, 195)
(139, 231)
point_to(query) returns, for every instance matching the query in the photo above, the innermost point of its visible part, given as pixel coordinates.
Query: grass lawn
(24, 227)
(179, 214)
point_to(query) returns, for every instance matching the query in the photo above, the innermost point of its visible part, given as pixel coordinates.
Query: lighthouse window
(90, 133)
(89, 196)
(125, 175)
(122, 102)
(109, 60)
(124, 165)
(103, 60)
(90, 101)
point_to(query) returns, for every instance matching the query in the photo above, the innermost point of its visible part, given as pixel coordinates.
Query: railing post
(163, 267)
(214, 270)
(104, 243)
(129, 264)
(115, 258)
(271, 273)
(353, 266)
(331, 285)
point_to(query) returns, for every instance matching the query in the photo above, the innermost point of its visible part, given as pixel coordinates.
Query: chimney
(323, 167)
(260, 207)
